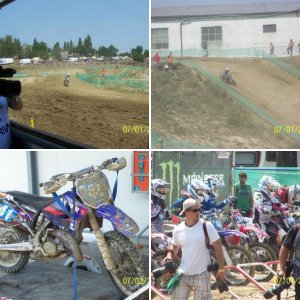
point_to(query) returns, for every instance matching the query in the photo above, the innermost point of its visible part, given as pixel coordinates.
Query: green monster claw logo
(168, 169)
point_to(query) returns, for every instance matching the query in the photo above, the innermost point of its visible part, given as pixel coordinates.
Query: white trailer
(73, 59)
(6, 61)
(25, 61)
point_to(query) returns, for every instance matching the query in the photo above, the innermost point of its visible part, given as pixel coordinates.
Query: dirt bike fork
(102, 244)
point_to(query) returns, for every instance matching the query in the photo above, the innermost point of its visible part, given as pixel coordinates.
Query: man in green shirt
(243, 192)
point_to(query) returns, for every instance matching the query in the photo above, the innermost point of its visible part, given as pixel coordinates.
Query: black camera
(222, 285)
(9, 88)
(169, 267)
(285, 284)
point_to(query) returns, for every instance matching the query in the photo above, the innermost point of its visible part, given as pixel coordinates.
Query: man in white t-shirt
(190, 236)
(5, 134)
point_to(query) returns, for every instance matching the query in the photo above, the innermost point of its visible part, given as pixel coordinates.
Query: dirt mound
(83, 112)
(188, 107)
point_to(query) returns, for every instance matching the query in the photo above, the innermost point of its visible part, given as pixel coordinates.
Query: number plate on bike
(7, 213)
(94, 190)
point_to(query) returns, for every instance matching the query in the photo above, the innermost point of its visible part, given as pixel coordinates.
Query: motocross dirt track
(82, 112)
(265, 84)
(200, 112)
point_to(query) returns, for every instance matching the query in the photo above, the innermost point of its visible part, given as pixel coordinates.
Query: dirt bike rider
(159, 190)
(196, 190)
(267, 202)
(288, 194)
(67, 78)
(227, 74)
(209, 205)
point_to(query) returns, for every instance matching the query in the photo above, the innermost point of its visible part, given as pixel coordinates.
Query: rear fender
(120, 221)
(261, 235)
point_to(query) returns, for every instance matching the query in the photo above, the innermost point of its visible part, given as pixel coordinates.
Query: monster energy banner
(285, 176)
(179, 168)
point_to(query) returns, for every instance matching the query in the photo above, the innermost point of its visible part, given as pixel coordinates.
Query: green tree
(137, 54)
(110, 51)
(39, 49)
(88, 46)
(55, 53)
(80, 47)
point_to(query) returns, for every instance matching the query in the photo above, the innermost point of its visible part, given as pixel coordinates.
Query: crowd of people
(199, 200)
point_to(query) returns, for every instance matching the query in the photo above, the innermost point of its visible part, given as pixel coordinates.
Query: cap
(189, 203)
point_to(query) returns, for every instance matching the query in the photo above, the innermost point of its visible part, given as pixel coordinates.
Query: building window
(160, 38)
(211, 37)
(269, 28)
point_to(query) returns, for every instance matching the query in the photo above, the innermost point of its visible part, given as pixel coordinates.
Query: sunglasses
(195, 210)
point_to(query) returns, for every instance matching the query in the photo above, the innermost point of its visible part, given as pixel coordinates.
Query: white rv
(6, 61)
(73, 59)
(25, 61)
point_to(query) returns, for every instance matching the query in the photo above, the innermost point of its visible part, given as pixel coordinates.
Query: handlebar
(112, 164)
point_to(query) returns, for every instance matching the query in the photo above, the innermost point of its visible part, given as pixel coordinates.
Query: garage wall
(134, 204)
(14, 171)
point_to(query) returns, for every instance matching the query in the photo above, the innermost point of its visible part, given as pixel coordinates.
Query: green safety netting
(171, 142)
(123, 79)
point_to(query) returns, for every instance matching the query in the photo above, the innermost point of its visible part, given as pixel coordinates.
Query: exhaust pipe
(68, 242)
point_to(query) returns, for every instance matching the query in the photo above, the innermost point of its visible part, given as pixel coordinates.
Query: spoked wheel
(130, 273)
(263, 253)
(12, 261)
(239, 255)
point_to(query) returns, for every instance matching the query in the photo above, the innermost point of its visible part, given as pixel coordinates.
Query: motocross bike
(233, 254)
(278, 227)
(66, 81)
(160, 242)
(228, 79)
(52, 227)
(260, 251)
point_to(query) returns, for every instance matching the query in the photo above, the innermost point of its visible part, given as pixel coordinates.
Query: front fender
(224, 233)
(120, 221)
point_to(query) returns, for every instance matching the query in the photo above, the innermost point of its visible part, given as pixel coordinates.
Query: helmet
(268, 184)
(159, 188)
(212, 184)
(294, 193)
(227, 69)
(197, 189)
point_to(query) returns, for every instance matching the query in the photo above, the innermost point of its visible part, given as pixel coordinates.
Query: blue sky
(166, 3)
(122, 23)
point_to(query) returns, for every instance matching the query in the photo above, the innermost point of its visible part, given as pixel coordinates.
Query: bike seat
(35, 201)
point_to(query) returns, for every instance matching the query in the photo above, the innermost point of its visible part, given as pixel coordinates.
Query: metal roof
(5, 2)
(225, 10)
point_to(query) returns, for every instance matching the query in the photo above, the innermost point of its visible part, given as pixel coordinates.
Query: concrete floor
(49, 279)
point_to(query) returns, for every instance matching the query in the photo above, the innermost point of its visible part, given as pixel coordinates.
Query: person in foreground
(191, 238)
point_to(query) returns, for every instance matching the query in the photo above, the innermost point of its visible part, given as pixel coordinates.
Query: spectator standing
(156, 59)
(243, 192)
(272, 48)
(290, 47)
(170, 61)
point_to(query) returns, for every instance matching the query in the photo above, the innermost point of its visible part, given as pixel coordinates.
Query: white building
(226, 30)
